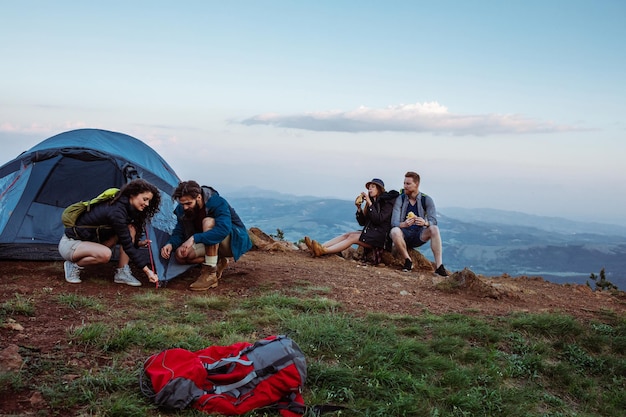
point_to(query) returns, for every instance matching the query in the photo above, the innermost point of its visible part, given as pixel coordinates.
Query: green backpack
(71, 213)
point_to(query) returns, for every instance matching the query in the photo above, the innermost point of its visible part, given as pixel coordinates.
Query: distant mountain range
(487, 241)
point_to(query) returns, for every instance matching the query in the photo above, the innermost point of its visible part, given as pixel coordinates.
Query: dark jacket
(227, 222)
(376, 220)
(104, 221)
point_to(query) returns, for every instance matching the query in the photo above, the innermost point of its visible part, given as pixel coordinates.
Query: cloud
(428, 117)
(40, 128)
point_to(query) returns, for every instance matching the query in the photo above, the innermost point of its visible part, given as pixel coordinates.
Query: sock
(210, 260)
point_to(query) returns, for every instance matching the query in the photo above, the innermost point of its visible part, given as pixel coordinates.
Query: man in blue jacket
(207, 232)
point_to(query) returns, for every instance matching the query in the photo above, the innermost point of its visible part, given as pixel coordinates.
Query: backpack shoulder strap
(276, 364)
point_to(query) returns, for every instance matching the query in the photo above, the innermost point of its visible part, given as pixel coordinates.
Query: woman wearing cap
(374, 216)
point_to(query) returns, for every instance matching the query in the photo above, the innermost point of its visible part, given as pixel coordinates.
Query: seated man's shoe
(124, 276)
(206, 280)
(442, 271)
(408, 265)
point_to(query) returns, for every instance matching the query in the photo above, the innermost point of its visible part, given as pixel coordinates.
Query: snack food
(410, 214)
(359, 200)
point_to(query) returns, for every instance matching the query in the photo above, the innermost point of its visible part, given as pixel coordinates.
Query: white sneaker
(124, 276)
(72, 272)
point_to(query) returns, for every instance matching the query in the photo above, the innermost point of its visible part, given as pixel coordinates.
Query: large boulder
(263, 241)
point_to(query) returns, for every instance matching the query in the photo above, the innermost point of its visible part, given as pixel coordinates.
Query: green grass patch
(522, 365)
(209, 303)
(18, 305)
(77, 302)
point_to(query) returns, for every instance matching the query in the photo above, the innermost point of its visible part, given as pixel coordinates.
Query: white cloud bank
(428, 117)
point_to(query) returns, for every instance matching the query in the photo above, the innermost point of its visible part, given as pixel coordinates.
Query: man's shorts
(412, 236)
(67, 247)
(223, 251)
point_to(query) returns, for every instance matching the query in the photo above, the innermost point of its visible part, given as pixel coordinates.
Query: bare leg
(398, 240)
(91, 253)
(337, 239)
(344, 242)
(433, 234)
(210, 250)
(124, 259)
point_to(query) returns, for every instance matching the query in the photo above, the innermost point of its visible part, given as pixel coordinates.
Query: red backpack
(229, 380)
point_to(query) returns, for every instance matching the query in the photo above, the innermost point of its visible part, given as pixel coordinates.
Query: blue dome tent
(77, 165)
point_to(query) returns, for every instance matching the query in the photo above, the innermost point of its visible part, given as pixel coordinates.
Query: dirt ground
(358, 287)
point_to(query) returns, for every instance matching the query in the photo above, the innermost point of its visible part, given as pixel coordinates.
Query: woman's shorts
(67, 247)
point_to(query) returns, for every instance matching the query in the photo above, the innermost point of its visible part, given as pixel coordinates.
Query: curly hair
(138, 186)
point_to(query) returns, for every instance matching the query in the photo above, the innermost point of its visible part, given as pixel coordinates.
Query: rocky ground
(358, 287)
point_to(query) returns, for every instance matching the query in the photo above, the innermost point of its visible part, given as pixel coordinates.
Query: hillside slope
(359, 288)
(34, 319)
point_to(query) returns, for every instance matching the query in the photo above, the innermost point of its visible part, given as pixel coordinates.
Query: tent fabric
(37, 185)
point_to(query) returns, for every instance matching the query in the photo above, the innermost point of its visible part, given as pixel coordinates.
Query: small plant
(280, 235)
(602, 283)
(88, 334)
(19, 305)
(10, 380)
(76, 302)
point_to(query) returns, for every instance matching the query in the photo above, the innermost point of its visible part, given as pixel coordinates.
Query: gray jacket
(429, 212)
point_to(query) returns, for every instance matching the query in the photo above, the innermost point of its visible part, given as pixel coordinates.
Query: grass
(522, 365)
(78, 302)
(18, 305)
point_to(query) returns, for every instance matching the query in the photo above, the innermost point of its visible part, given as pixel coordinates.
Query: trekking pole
(151, 258)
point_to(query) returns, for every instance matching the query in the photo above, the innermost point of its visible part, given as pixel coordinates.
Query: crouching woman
(106, 224)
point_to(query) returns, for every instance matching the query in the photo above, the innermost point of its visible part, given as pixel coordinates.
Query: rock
(263, 241)
(13, 325)
(37, 400)
(468, 282)
(583, 289)
(10, 359)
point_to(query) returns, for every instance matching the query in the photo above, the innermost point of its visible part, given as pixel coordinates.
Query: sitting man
(207, 231)
(414, 222)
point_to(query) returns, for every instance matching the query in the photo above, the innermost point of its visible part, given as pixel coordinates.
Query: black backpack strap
(289, 403)
(320, 409)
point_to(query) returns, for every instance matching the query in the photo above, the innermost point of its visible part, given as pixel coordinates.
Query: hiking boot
(309, 244)
(442, 271)
(222, 263)
(72, 272)
(318, 249)
(124, 276)
(408, 265)
(206, 280)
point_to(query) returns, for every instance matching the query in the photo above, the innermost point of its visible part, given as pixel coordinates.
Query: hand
(144, 243)
(412, 221)
(185, 247)
(152, 277)
(166, 251)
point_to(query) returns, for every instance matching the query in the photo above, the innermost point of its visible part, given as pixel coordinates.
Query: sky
(514, 105)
